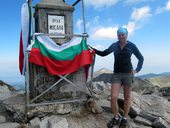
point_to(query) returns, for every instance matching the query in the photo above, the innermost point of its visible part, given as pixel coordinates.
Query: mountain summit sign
(56, 28)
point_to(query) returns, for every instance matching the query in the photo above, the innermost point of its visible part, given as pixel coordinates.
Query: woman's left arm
(140, 58)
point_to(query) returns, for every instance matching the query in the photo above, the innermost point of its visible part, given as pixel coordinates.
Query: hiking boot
(113, 122)
(124, 123)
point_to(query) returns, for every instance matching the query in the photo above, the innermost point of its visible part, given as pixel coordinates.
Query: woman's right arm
(106, 51)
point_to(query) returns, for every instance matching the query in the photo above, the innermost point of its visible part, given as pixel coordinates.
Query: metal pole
(68, 35)
(76, 3)
(84, 21)
(58, 102)
(27, 64)
(48, 89)
(32, 18)
(27, 82)
(83, 14)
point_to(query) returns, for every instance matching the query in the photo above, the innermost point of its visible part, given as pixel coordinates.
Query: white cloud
(111, 32)
(168, 5)
(79, 25)
(140, 13)
(131, 26)
(101, 3)
(100, 47)
(164, 8)
(95, 21)
(139, 17)
(105, 33)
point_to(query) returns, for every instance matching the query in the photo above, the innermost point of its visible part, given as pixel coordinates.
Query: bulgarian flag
(24, 35)
(60, 59)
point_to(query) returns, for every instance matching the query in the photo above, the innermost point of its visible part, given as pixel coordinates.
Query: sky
(146, 20)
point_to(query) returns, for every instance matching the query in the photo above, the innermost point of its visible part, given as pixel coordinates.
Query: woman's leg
(127, 99)
(114, 96)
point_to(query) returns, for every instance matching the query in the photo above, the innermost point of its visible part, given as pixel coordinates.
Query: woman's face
(122, 37)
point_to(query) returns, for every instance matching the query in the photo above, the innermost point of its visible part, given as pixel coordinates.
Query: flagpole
(27, 77)
(86, 35)
(32, 18)
(84, 21)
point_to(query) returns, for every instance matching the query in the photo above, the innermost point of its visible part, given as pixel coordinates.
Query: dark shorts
(123, 78)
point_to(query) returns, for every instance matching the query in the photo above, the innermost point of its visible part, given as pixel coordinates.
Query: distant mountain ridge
(144, 76)
(151, 75)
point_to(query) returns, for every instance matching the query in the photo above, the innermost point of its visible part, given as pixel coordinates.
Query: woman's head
(122, 34)
(122, 30)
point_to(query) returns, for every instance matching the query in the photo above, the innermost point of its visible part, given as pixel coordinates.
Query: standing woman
(123, 74)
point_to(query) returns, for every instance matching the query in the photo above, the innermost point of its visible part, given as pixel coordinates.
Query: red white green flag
(60, 59)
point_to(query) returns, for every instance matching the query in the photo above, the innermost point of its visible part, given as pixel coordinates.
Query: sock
(124, 118)
(116, 117)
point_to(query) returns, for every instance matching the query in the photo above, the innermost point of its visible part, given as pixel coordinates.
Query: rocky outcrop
(5, 93)
(147, 111)
(11, 88)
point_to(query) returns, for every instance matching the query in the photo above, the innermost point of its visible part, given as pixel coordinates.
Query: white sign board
(56, 26)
